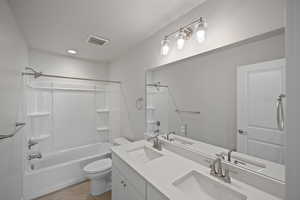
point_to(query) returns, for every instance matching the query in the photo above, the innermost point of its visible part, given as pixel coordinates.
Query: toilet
(99, 172)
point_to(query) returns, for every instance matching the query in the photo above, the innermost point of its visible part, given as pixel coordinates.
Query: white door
(260, 110)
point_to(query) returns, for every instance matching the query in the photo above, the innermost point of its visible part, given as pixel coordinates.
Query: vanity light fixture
(183, 34)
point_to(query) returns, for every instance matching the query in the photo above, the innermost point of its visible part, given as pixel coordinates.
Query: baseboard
(55, 188)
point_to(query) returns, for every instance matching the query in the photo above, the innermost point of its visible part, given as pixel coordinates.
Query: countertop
(163, 171)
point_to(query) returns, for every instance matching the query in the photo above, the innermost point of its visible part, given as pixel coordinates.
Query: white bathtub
(61, 169)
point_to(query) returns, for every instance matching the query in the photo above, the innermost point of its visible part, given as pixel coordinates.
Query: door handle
(280, 113)
(242, 132)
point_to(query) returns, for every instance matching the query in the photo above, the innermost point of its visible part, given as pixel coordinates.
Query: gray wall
(13, 58)
(208, 83)
(293, 99)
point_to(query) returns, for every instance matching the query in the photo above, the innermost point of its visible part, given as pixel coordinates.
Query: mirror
(232, 98)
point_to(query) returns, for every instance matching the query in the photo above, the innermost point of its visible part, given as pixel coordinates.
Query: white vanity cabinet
(126, 183)
(122, 188)
(129, 185)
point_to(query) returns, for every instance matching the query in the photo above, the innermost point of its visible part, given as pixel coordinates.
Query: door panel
(117, 188)
(259, 86)
(265, 150)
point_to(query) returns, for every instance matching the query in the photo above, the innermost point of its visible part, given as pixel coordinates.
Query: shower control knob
(242, 132)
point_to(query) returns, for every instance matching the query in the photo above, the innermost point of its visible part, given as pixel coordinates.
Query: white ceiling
(57, 25)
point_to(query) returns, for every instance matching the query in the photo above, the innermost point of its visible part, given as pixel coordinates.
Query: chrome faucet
(170, 133)
(34, 155)
(217, 170)
(229, 154)
(156, 142)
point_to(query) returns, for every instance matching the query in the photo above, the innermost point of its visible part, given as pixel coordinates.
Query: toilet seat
(98, 166)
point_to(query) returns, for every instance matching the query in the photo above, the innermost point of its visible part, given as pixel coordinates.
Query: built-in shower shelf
(151, 122)
(102, 110)
(102, 129)
(38, 114)
(39, 138)
(150, 108)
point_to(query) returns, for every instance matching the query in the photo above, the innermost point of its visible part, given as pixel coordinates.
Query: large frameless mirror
(232, 98)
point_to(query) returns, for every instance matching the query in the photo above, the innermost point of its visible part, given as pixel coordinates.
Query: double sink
(194, 185)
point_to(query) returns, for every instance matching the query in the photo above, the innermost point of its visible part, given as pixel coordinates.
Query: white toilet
(99, 172)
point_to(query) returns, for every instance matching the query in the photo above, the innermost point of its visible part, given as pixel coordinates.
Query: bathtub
(61, 169)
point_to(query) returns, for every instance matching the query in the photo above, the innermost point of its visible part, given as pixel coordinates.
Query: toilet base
(98, 186)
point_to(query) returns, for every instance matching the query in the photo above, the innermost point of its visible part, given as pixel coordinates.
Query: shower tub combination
(61, 169)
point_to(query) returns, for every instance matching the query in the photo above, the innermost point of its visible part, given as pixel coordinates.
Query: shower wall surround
(70, 114)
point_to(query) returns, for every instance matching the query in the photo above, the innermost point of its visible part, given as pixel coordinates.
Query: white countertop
(272, 170)
(163, 171)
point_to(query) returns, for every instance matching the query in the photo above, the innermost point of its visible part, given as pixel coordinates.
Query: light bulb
(201, 30)
(201, 35)
(180, 41)
(165, 48)
(72, 51)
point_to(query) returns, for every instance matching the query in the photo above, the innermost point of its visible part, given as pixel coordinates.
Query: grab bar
(280, 113)
(187, 111)
(19, 126)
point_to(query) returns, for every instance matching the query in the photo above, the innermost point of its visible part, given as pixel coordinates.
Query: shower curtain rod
(156, 85)
(37, 74)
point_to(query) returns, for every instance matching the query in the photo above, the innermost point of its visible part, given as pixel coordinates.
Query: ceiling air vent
(97, 40)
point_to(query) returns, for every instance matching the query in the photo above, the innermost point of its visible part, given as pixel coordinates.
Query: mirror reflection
(232, 99)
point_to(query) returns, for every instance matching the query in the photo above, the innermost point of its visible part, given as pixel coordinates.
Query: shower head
(36, 74)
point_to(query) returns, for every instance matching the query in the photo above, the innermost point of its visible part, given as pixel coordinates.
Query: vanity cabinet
(122, 188)
(154, 194)
(129, 185)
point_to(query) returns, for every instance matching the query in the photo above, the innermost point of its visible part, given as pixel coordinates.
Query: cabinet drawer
(132, 177)
(154, 194)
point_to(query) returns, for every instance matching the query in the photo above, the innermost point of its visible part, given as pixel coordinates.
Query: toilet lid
(98, 166)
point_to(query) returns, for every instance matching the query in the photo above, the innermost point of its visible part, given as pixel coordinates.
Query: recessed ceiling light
(72, 51)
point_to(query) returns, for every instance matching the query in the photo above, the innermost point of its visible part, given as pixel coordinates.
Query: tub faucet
(31, 143)
(34, 155)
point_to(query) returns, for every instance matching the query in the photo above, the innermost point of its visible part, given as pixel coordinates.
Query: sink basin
(199, 186)
(144, 154)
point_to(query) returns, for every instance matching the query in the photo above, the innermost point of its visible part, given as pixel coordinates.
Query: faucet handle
(220, 155)
(227, 177)
(212, 170)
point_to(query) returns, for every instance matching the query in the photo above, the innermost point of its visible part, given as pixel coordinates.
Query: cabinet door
(153, 194)
(131, 193)
(122, 189)
(118, 190)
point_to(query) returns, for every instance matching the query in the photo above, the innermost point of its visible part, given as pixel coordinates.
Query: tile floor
(75, 192)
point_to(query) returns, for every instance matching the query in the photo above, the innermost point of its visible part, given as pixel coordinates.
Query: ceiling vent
(97, 40)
